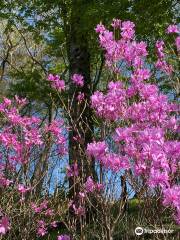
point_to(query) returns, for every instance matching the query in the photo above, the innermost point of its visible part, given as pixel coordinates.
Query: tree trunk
(124, 194)
(81, 114)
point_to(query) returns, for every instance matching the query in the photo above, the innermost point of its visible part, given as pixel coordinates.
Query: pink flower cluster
(64, 237)
(10, 139)
(4, 225)
(112, 161)
(80, 97)
(72, 171)
(79, 210)
(90, 186)
(125, 49)
(42, 210)
(172, 198)
(116, 23)
(173, 29)
(78, 79)
(22, 190)
(19, 144)
(39, 208)
(56, 129)
(97, 149)
(127, 30)
(4, 182)
(56, 82)
(161, 62)
(42, 229)
(111, 104)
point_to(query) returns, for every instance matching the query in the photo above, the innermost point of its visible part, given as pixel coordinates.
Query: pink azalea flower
(172, 196)
(20, 101)
(44, 204)
(49, 212)
(72, 170)
(97, 149)
(4, 182)
(56, 82)
(162, 65)
(41, 231)
(80, 97)
(7, 102)
(116, 23)
(99, 186)
(35, 208)
(4, 225)
(22, 189)
(54, 224)
(158, 178)
(172, 29)
(41, 207)
(80, 211)
(89, 185)
(177, 216)
(100, 28)
(64, 237)
(127, 30)
(78, 79)
(82, 195)
(160, 49)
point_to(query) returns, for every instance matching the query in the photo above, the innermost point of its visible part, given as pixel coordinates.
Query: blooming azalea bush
(20, 138)
(146, 122)
(137, 143)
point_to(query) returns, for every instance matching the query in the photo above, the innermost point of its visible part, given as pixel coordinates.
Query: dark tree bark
(124, 194)
(81, 113)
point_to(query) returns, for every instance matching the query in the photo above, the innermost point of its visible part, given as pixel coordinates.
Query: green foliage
(49, 23)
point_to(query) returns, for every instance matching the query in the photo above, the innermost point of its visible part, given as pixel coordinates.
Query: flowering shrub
(146, 122)
(20, 138)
